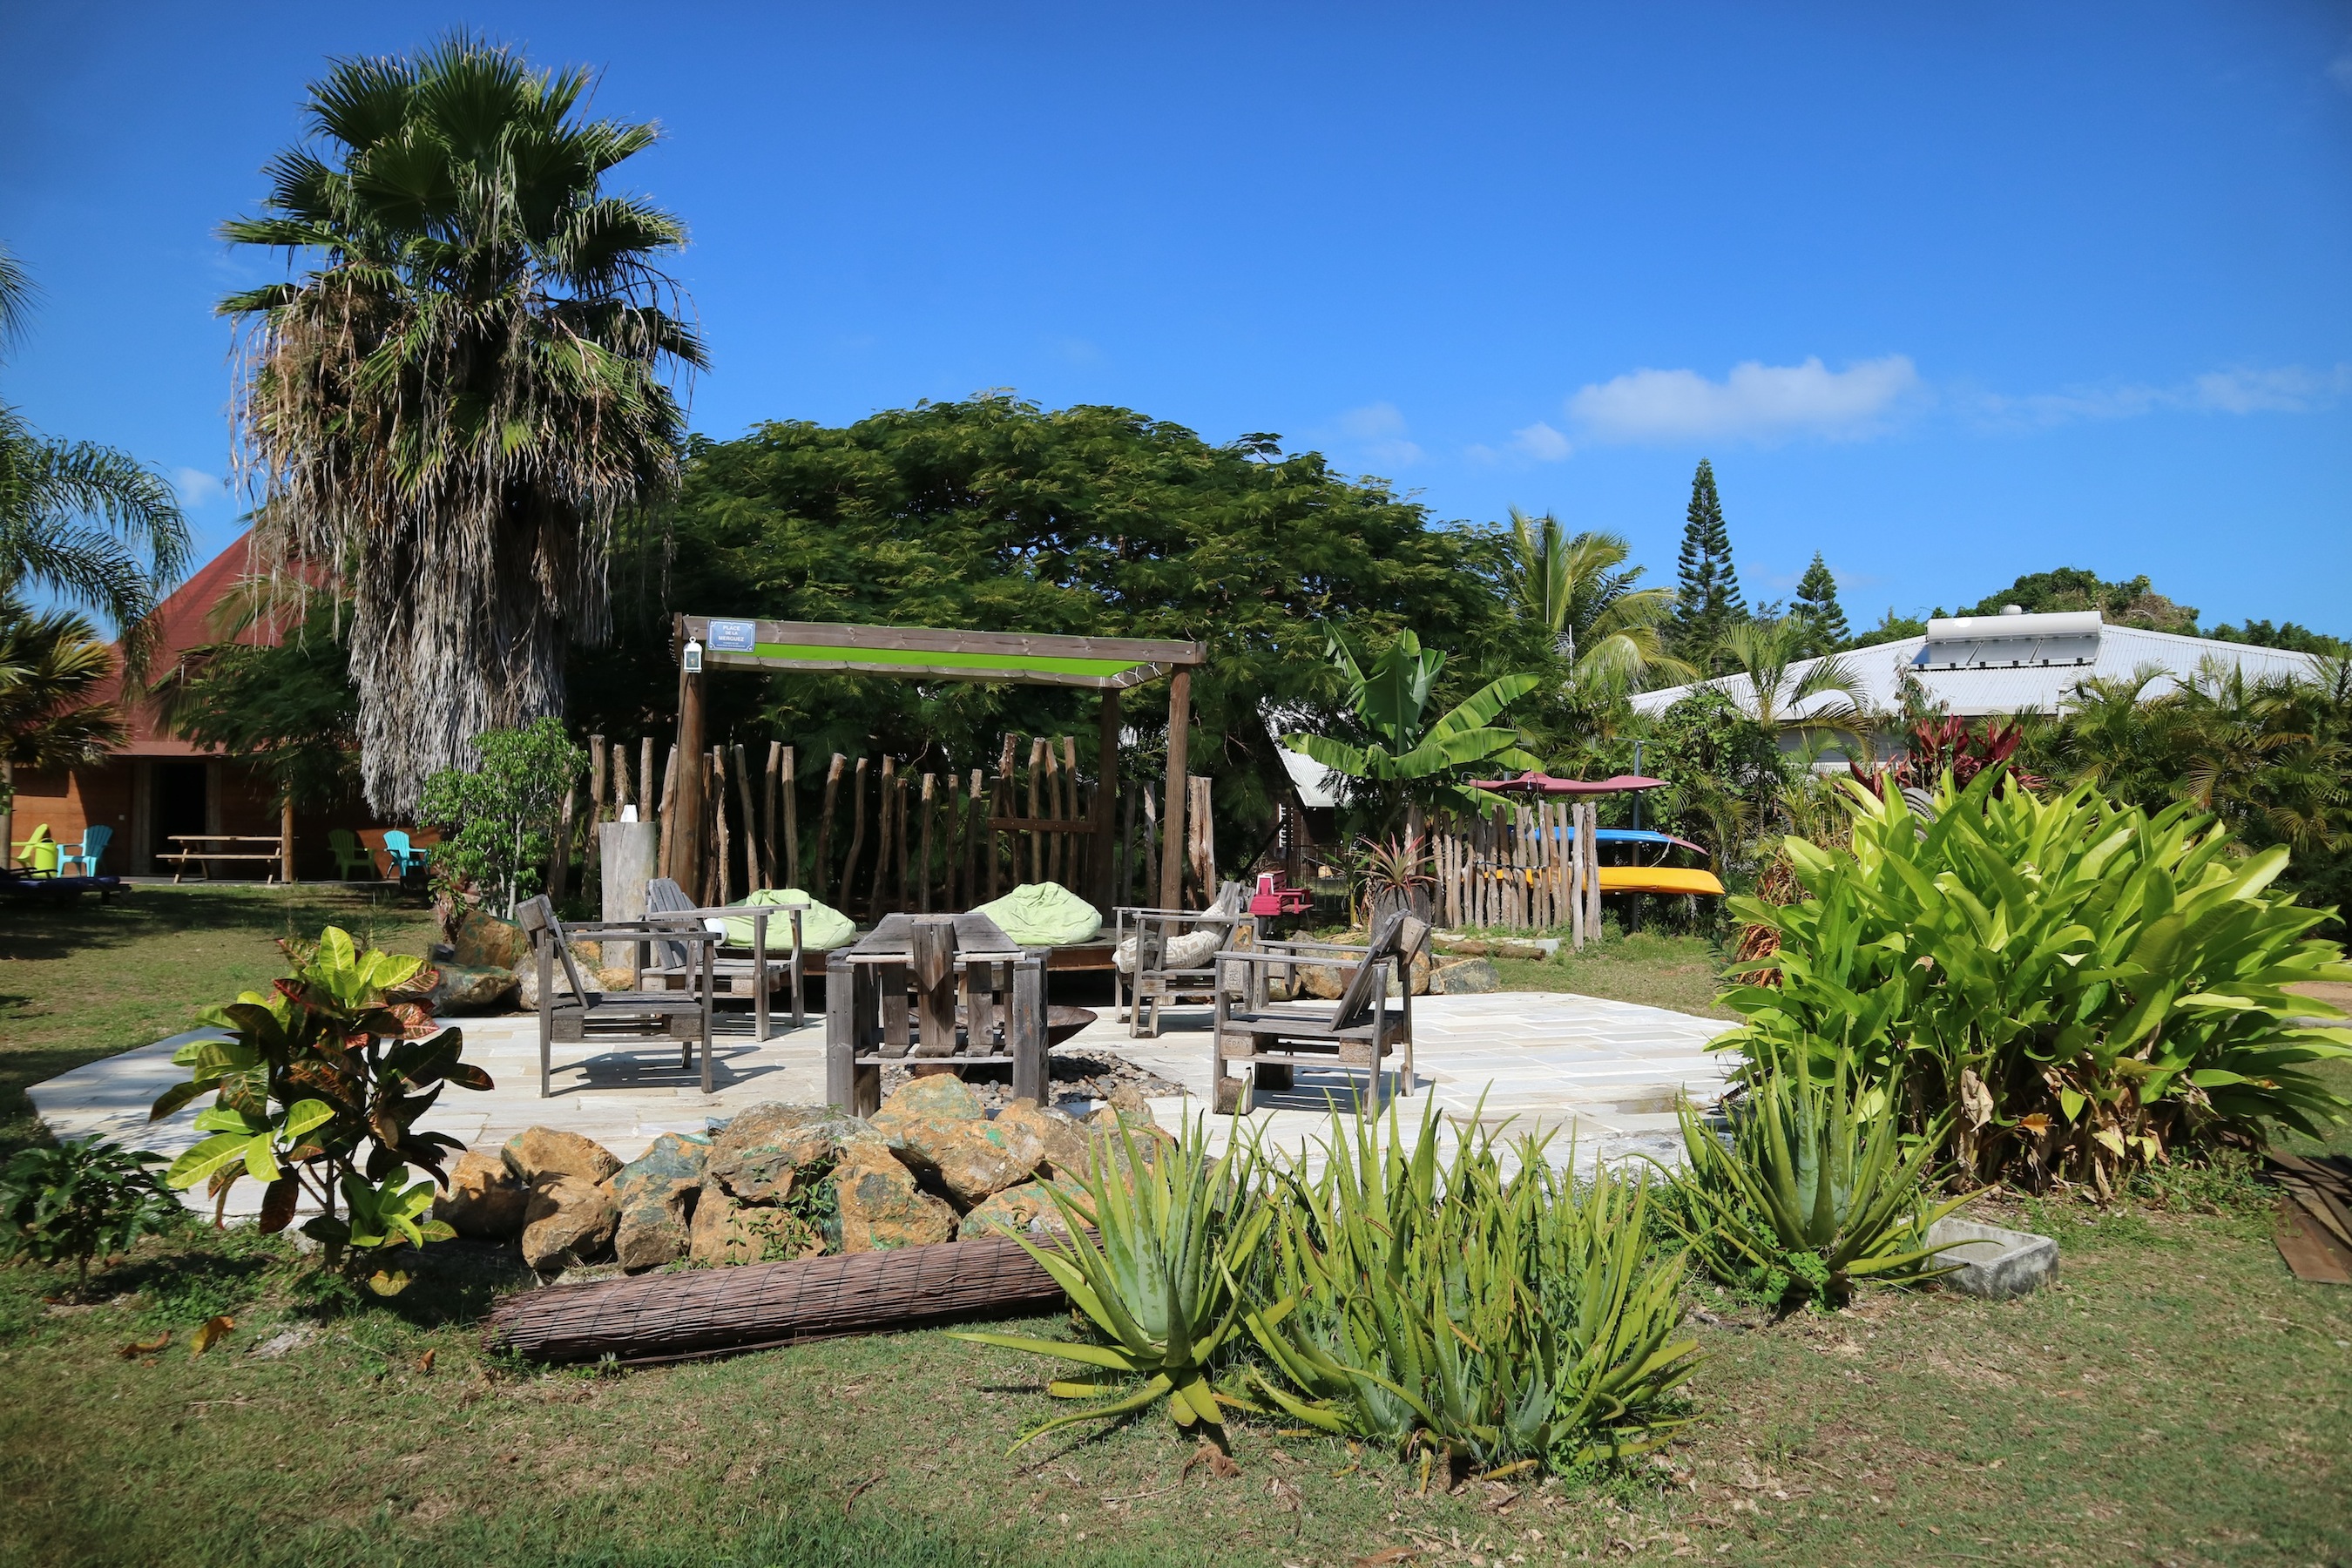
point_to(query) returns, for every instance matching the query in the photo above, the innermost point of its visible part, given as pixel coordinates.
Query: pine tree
(1707, 594)
(1817, 605)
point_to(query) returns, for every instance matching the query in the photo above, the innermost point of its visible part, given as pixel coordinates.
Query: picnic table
(193, 850)
(948, 991)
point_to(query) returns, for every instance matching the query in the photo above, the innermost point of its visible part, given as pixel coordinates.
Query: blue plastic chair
(404, 858)
(85, 853)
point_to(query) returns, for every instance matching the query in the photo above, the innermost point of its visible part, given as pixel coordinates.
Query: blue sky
(1948, 292)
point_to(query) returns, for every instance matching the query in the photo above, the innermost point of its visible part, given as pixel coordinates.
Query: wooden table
(948, 989)
(191, 848)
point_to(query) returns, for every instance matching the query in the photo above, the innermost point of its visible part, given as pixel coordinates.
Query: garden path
(1602, 1076)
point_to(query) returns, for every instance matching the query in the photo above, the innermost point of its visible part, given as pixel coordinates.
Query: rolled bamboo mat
(757, 1306)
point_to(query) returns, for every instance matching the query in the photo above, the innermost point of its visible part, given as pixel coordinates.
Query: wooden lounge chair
(1358, 1032)
(589, 1014)
(1156, 981)
(672, 964)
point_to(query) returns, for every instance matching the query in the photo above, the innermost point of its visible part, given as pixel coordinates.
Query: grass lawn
(2178, 1398)
(1682, 973)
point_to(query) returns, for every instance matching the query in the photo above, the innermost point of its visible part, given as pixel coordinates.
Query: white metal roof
(1978, 664)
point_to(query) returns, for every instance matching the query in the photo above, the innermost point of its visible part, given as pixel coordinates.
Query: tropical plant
(86, 523)
(316, 1089)
(1402, 762)
(1579, 590)
(1504, 1322)
(448, 412)
(503, 817)
(2080, 986)
(1160, 1287)
(73, 1202)
(1765, 652)
(1394, 873)
(1818, 1192)
(51, 668)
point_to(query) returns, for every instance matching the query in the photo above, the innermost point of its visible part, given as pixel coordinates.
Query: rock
(1129, 1102)
(971, 1158)
(569, 1221)
(766, 1150)
(615, 977)
(1026, 1210)
(1064, 1138)
(940, 1095)
(461, 990)
(484, 1200)
(655, 1194)
(881, 1207)
(1323, 980)
(725, 1231)
(1466, 977)
(537, 1153)
(485, 941)
(1993, 1262)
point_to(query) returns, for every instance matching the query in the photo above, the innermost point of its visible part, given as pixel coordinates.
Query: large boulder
(971, 1159)
(937, 1095)
(485, 941)
(769, 1150)
(457, 990)
(485, 1199)
(727, 1231)
(1466, 977)
(881, 1207)
(656, 1194)
(569, 1221)
(536, 1153)
(1027, 1210)
(1064, 1139)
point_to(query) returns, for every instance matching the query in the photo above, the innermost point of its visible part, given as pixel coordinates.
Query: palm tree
(1580, 592)
(1766, 652)
(86, 523)
(445, 415)
(51, 666)
(1402, 761)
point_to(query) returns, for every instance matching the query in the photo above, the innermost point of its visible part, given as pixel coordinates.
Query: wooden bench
(588, 1014)
(181, 857)
(947, 989)
(1357, 1034)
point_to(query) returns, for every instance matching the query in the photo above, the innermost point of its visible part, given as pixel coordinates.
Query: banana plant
(1818, 1191)
(321, 1079)
(1160, 1287)
(1401, 758)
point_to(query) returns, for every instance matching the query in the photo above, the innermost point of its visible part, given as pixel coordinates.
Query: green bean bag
(822, 927)
(1043, 914)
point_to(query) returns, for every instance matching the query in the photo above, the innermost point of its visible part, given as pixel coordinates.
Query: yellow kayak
(1658, 879)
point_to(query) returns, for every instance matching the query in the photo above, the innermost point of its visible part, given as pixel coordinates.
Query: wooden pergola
(1109, 665)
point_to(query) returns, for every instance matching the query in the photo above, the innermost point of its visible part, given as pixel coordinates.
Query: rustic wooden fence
(874, 835)
(1522, 867)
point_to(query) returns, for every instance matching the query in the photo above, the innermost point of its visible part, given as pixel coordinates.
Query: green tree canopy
(1816, 610)
(2129, 603)
(1707, 601)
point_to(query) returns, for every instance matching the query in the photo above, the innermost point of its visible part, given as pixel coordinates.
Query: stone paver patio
(1601, 1077)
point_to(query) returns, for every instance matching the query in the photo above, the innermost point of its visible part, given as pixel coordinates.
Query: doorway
(180, 802)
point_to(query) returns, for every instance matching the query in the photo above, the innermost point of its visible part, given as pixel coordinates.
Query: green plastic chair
(39, 853)
(352, 861)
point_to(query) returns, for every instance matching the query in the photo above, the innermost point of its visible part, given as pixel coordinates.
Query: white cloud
(1756, 401)
(2287, 389)
(1379, 431)
(2339, 71)
(1541, 442)
(196, 487)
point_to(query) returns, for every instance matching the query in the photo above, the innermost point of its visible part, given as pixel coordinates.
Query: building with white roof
(1980, 666)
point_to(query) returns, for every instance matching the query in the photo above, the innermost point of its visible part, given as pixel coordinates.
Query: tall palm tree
(51, 666)
(1578, 589)
(1766, 652)
(446, 414)
(85, 523)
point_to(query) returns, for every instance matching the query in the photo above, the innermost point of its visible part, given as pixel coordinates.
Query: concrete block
(1994, 1262)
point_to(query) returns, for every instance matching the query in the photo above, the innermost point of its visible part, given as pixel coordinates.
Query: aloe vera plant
(1818, 1193)
(1161, 1286)
(1502, 1323)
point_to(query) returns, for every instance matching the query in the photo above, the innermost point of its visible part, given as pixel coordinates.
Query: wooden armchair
(1358, 1032)
(589, 1014)
(674, 965)
(1158, 979)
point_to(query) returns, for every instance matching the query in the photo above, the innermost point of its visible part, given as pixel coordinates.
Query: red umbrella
(1544, 783)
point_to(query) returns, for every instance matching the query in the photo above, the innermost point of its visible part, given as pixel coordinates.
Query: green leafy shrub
(1160, 1287)
(1818, 1191)
(2078, 986)
(503, 816)
(317, 1089)
(1504, 1322)
(73, 1202)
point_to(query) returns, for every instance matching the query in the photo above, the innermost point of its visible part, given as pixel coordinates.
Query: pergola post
(1172, 813)
(685, 864)
(1106, 801)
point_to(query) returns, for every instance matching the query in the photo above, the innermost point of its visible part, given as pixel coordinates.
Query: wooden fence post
(822, 872)
(788, 776)
(720, 840)
(1200, 830)
(886, 837)
(923, 862)
(1105, 806)
(856, 833)
(768, 858)
(1171, 838)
